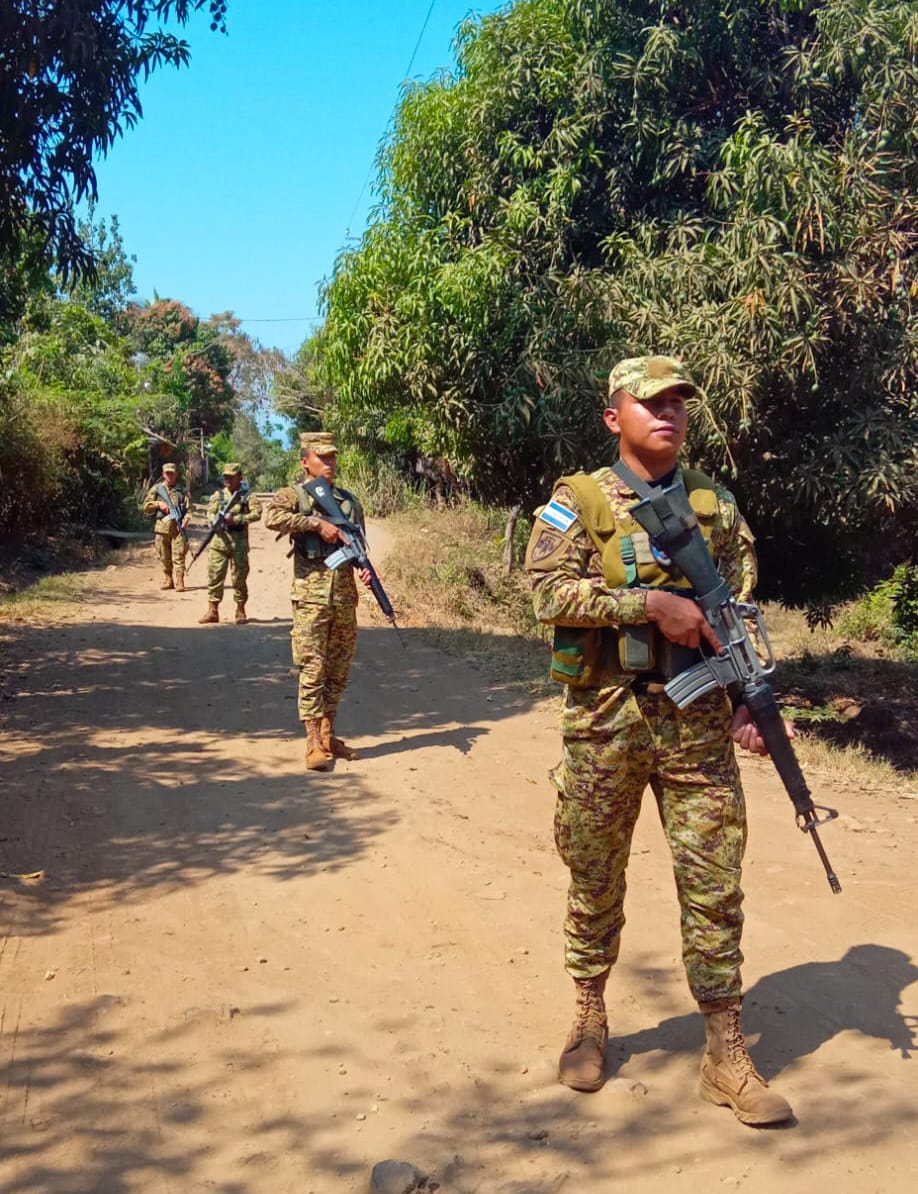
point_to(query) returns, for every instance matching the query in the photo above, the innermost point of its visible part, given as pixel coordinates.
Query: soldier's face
(232, 482)
(654, 429)
(321, 466)
(170, 479)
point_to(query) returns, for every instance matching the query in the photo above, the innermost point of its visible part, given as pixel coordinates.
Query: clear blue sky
(237, 188)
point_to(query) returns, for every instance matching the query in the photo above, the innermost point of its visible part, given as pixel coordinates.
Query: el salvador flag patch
(558, 516)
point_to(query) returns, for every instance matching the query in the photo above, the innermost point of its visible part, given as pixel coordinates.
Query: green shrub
(888, 613)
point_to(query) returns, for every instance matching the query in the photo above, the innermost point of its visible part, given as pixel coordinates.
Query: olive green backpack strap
(595, 512)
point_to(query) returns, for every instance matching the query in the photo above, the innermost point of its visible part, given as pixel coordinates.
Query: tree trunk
(509, 532)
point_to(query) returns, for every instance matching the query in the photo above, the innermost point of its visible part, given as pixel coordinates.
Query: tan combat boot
(581, 1063)
(317, 758)
(728, 1076)
(180, 583)
(241, 619)
(167, 582)
(212, 615)
(336, 747)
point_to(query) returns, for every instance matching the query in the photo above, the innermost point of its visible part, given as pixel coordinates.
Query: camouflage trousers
(323, 639)
(228, 552)
(171, 549)
(615, 743)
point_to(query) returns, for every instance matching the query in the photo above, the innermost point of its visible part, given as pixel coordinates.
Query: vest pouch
(674, 658)
(637, 647)
(575, 656)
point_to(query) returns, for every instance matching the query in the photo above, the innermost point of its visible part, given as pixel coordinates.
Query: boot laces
(736, 1047)
(591, 1011)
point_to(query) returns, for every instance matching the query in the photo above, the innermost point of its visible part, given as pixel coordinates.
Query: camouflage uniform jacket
(247, 510)
(164, 523)
(313, 582)
(566, 570)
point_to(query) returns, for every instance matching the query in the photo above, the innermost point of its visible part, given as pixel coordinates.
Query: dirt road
(239, 977)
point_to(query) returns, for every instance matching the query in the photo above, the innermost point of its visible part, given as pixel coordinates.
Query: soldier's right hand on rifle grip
(680, 619)
(329, 532)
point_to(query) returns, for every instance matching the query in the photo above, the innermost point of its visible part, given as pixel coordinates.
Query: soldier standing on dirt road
(171, 542)
(621, 630)
(229, 548)
(324, 634)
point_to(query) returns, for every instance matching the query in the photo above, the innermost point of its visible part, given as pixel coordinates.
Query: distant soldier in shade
(229, 548)
(171, 505)
(324, 634)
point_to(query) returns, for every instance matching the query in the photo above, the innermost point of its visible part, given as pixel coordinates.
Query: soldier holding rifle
(324, 633)
(625, 624)
(170, 503)
(230, 512)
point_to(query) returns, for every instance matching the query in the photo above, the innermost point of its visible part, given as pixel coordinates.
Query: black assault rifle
(175, 514)
(354, 550)
(219, 522)
(669, 519)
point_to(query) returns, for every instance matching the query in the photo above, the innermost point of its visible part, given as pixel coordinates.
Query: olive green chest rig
(584, 658)
(629, 559)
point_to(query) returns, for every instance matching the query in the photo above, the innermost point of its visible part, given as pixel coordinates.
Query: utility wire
(405, 75)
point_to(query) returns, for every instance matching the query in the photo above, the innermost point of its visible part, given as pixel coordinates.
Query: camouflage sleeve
(213, 505)
(151, 504)
(253, 514)
(735, 549)
(283, 514)
(564, 593)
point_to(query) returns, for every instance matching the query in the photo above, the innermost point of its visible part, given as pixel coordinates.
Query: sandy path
(240, 977)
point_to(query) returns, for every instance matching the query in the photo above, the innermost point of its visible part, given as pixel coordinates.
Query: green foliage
(70, 74)
(185, 368)
(378, 484)
(265, 462)
(110, 288)
(888, 613)
(870, 619)
(69, 438)
(905, 608)
(731, 182)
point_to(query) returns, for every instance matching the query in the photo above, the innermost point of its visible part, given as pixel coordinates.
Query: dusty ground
(235, 976)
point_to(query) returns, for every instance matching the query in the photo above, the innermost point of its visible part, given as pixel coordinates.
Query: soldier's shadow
(794, 1012)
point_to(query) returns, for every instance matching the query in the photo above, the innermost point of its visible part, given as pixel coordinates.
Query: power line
(405, 75)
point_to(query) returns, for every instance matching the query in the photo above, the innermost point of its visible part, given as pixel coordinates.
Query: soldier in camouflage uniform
(623, 625)
(324, 634)
(171, 542)
(229, 548)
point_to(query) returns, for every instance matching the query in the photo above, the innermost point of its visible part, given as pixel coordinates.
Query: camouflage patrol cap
(645, 377)
(169, 468)
(320, 442)
(232, 470)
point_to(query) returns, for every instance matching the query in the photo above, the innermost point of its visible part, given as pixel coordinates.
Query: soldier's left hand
(745, 733)
(366, 576)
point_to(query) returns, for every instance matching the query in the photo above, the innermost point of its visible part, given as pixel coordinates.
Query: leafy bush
(888, 613)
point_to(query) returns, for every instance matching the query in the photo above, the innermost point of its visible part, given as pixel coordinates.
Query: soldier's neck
(648, 468)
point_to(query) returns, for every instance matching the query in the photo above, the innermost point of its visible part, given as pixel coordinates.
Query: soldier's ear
(610, 419)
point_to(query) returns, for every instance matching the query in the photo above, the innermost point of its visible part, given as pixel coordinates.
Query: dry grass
(447, 578)
(52, 598)
(854, 704)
